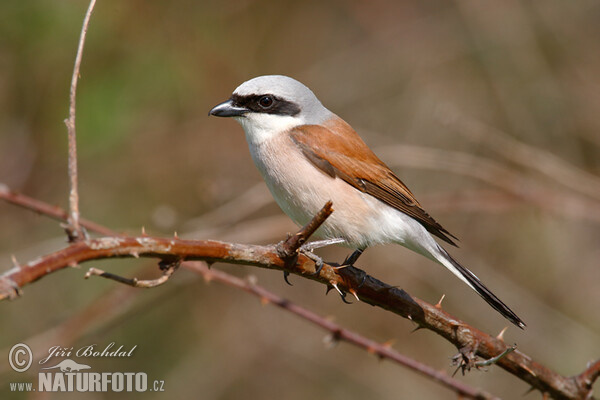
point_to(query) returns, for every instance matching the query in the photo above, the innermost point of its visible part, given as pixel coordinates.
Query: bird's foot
(308, 248)
(317, 260)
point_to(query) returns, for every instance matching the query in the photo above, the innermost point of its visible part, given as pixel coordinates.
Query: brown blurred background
(488, 111)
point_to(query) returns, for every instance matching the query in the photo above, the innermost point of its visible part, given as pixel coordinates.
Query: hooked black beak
(227, 109)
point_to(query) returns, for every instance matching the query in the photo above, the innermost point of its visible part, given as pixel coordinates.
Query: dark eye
(266, 102)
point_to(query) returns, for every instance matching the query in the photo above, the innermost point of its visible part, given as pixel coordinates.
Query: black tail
(483, 291)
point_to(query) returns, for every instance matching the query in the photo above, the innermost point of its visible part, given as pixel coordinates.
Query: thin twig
(74, 230)
(337, 332)
(134, 282)
(494, 360)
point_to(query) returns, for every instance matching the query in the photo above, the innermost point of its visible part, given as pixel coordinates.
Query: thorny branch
(337, 333)
(470, 341)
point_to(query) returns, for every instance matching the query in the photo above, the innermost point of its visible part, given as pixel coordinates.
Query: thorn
(14, 261)
(388, 344)
(439, 303)
(175, 235)
(501, 334)
(334, 285)
(135, 254)
(419, 327)
(354, 293)
(456, 370)
(144, 231)
(73, 264)
(342, 294)
(529, 370)
(409, 317)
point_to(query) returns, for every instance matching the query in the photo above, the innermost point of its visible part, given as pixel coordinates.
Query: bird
(307, 155)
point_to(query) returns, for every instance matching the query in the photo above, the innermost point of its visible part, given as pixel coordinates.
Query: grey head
(272, 103)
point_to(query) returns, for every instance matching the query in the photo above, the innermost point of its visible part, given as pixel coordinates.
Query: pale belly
(301, 190)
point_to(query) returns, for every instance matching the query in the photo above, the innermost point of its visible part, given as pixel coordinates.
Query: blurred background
(487, 111)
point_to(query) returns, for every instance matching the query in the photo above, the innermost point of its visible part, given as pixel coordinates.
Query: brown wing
(338, 151)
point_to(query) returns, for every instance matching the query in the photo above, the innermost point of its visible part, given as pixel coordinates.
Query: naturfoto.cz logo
(71, 376)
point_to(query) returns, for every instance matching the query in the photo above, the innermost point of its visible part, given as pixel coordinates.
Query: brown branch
(336, 331)
(470, 341)
(74, 229)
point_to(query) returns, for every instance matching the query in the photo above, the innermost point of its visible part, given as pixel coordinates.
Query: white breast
(301, 189)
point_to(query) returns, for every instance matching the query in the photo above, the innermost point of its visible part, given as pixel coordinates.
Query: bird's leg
(352, 258)
(317, 244)
(349, 262)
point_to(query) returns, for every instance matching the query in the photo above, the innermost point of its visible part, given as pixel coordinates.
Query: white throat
(261, 127)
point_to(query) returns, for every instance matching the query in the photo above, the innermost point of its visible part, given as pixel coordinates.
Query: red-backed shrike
(307, 155)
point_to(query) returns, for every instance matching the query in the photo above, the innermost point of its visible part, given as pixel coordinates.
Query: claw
(317, 260)
(363, 279)
(342, 294)
(318, 267)
(285, 277)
